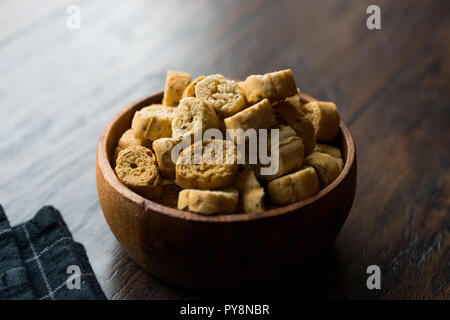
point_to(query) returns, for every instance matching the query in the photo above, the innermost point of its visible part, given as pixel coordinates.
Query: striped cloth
(40, 260)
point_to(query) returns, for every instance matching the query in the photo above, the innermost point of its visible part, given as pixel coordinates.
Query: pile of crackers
(155, 157)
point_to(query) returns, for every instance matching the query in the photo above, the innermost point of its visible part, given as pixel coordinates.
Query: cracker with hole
(127, 140)
(210, 164)
(224, 95)
(193, 116)
(136, 168)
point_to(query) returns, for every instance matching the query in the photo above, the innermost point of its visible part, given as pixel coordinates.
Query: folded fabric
(40, 260)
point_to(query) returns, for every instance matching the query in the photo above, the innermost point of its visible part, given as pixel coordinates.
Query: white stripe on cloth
(4, 231)
(62, 285)
(16, 268)
(38, 263)
(47, 248)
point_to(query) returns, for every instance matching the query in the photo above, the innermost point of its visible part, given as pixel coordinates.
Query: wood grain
(58, 88)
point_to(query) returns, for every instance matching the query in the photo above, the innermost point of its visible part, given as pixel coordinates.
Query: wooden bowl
(223, 252)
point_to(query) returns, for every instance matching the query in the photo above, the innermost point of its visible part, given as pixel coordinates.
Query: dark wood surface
(58, 88)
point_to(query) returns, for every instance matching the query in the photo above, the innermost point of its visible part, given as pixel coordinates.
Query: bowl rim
(110, 177)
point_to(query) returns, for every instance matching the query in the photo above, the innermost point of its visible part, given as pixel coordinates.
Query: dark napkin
(40, 260)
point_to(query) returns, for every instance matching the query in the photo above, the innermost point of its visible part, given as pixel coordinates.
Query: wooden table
(58, 88)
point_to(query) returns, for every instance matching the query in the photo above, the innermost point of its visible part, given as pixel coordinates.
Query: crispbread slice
(208, 202)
